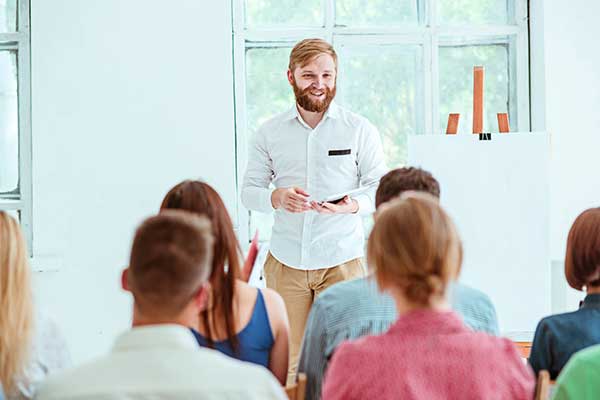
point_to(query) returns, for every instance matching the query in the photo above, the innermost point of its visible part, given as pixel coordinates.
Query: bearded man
(296, 160)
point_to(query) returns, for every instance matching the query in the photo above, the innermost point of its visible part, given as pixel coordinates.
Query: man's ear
(201, 297)
(290, 76)
(125, 280)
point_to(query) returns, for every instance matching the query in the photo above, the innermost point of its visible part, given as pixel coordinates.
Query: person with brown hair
(352, 309)
(315, 150)
(31, 346)
(559, 336)
(168, 272)
(240, 320)
(428, 353)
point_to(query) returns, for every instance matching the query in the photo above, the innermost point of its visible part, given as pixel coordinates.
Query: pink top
(430, 355)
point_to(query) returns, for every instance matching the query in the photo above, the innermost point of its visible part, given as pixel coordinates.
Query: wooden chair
(542, 388)
(297, 391)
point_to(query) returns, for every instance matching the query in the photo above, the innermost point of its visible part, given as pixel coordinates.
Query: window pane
(9, 128)
(456, 84)
(454, 12)
(383, 83)
(353, 13)
(8, 15)
(287, 13)
(267, 94)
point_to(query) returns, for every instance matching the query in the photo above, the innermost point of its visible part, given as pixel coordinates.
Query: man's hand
(346, 206)
(290, 199)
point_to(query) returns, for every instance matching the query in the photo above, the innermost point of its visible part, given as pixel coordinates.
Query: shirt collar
(332, 112)
(591, 301)
(428, 322)
(156, 336)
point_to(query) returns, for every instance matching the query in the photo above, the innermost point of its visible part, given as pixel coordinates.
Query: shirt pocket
(340, 163)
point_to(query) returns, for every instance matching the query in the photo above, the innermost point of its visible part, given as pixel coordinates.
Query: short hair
(307, 50)
(170, 260)
(414, 247)
(582, 260)
(400, 180)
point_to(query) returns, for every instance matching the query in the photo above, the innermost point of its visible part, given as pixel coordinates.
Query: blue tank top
(254, 341)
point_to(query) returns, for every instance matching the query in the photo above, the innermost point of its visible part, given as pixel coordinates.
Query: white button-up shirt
(162, 362)
(342, 153)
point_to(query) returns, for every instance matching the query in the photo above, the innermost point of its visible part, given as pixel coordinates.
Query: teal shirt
(580, 379)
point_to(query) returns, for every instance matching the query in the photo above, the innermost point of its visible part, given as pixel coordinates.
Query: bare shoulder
(273, 300)
(275, 308)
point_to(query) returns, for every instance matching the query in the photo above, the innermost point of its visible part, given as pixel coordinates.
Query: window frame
(20, 41)
(426, 33)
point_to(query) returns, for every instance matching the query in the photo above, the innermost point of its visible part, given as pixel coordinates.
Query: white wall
(570, 61)
(129, 98)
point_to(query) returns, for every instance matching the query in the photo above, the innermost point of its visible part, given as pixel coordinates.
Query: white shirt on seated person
(162, 362)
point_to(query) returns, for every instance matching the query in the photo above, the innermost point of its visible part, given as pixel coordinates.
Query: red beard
(304, 100)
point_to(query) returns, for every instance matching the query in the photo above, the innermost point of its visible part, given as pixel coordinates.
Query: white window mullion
(522, 60)
(25, 145)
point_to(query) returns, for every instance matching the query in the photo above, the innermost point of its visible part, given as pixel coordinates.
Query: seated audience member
(428, 353)
(559, 336)
(159, 357)
(352, 309)
(31, 345)
(241, 321)
(580, 378)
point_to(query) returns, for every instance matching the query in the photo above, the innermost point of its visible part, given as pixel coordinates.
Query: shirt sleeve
(313, 357)
(371, 167)
(540, 357)
(256, 194)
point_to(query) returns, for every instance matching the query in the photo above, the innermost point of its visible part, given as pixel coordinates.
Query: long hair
(201, 198)
(16, 303)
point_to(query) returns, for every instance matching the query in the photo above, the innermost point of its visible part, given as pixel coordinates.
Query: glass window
(283, 13)
(383, 83)
(457, 12)
(357, 13)
(9, 125)
(8, 16)
(456, 83)
(403, 64)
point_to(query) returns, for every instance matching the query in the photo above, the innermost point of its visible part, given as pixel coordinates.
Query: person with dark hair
(241, 321)
(428, 353)
(352, 309)
(559, 336)
(168, 272)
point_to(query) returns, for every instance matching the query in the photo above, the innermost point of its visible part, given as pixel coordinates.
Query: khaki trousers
(298, 289)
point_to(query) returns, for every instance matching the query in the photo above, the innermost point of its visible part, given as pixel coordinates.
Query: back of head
(307, 50)
(414, 247)
(200, 198)
(16, 309)
(170, 261)
(400, 180)
(582, 261)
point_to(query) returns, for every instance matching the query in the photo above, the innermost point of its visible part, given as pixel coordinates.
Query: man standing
(159, 358)
(314, 150)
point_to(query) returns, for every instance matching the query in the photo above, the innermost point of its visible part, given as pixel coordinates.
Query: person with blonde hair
(30, 344)
(314, 150)
(428, 353)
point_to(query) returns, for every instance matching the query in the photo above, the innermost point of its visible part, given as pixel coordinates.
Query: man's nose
(318, 82)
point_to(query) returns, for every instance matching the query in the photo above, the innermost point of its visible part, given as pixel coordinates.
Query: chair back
(542, 388)
(297, 391)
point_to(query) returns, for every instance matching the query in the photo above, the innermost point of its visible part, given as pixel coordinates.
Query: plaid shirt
(352, 309)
